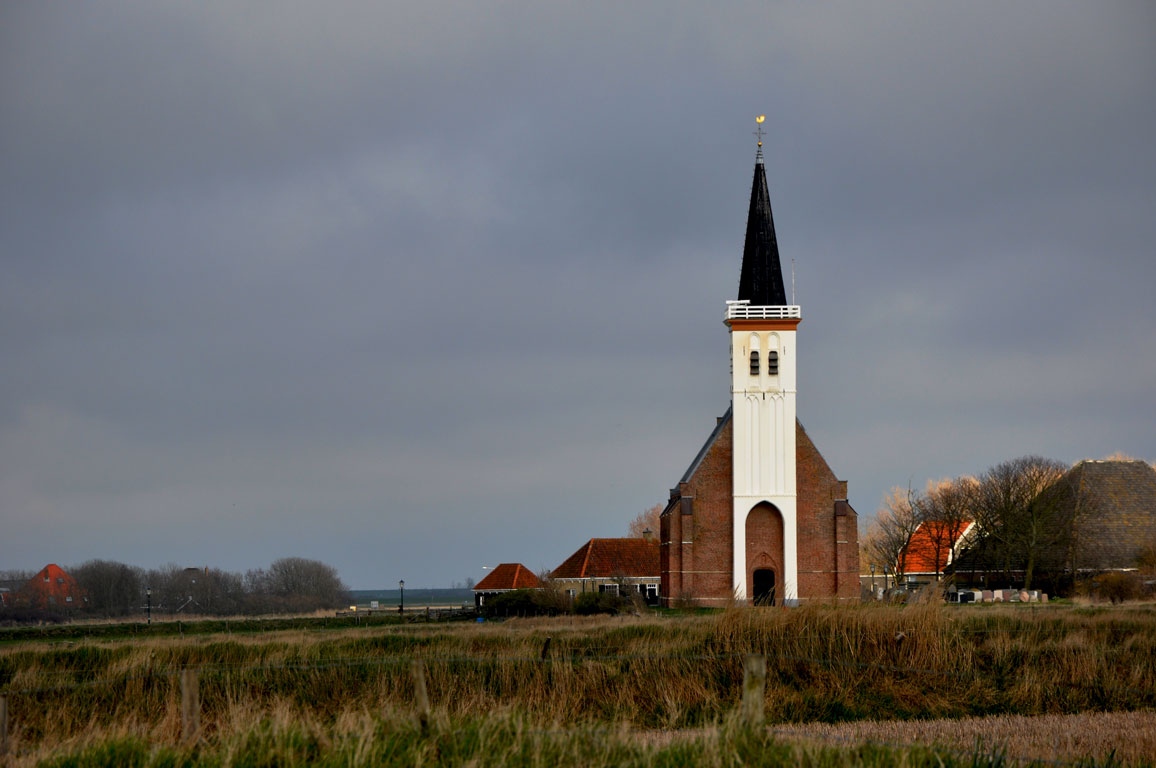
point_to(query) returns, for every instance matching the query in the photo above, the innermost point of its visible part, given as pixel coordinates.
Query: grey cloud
(417, 288)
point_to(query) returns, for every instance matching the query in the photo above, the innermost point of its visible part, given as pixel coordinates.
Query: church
(759, 516)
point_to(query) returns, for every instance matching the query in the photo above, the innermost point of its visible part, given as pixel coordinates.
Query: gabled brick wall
(696, 540)
(828, 530)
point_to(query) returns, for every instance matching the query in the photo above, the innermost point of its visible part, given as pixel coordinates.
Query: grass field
(651, 690)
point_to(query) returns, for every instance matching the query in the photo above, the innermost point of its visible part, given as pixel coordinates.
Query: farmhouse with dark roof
(1113, 503)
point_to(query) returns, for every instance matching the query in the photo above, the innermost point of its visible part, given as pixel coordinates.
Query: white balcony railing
(742, 310)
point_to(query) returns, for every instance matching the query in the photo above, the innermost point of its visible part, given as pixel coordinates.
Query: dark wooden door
(764, 587)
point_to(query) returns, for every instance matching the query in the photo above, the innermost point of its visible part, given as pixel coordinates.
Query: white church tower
(763, 362)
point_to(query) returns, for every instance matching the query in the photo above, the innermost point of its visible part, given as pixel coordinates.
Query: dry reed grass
(824, 663)
(1129, 736)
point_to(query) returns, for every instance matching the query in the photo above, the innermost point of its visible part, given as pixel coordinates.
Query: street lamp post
(401, 603)
(149, 599)
(872, 579)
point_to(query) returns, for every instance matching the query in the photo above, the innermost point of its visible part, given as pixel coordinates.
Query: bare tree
(648, 519)
(887, 537)
(303, 584)
(169, 587)
(112, 588)
(1014, 522)
(15, 576)
(218, 592)
(945, 511)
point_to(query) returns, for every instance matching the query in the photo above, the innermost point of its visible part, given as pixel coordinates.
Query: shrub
(589, 603)
(1118, 587)
(520, 602)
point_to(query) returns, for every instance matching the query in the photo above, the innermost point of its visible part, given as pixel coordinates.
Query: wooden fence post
(754, 689)
(420, 695)
(546, 649)
(190, 706)
(3, 726)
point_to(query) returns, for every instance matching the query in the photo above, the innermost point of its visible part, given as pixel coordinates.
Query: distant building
(505, 578)
(618, 566)
(1113, 503)
(933, 549)
(50, 590)
(1103, 518)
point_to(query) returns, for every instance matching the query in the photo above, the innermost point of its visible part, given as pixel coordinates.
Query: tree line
(1024, 523)
(111, 589)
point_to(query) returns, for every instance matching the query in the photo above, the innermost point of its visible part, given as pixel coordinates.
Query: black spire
(761, 281)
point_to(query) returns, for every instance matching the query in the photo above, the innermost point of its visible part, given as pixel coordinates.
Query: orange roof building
(508, 576)
(612, 565)
(933, 547)
(505, 578)
(52, 589)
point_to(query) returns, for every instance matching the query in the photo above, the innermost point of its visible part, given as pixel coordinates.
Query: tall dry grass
(825, 663)
(1128, 736)
(285, 740)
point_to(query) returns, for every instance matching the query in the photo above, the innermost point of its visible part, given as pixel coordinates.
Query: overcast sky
(418, 288)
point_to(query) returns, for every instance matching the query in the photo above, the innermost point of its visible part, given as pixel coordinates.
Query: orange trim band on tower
(783, 324)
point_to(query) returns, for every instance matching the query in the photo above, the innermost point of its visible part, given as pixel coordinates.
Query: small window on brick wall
(773, 363)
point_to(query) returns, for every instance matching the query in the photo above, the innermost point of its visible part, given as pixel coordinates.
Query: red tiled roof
(508, 576)
(933, 541)
(52, 587)
(609, 558)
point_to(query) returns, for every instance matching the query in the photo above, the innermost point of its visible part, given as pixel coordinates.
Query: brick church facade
(759, 516)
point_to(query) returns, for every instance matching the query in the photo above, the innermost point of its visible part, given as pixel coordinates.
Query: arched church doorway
(764, 531)
(763, 586)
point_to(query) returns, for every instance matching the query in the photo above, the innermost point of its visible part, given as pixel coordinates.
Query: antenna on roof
(793, 281)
